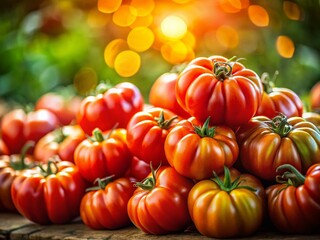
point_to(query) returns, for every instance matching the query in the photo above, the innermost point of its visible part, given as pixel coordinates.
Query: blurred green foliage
(44, 44)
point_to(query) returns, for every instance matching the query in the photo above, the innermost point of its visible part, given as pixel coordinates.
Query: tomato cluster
(218, 148)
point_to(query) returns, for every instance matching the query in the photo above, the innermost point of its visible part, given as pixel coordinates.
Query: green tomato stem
(22, 163)
(205, 130)
(162, 123)
(292, 177)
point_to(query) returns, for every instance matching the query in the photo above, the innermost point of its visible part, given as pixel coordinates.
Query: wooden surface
(14, 226)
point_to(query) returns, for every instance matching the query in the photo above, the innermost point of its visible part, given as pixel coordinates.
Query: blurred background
(72, 46)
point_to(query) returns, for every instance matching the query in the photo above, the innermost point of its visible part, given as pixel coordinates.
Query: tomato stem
(149, 182)
(205, 130)
(97, 135)
(49, 170)
(269, 84)
(59, 135)
(292, 177)
(222, 70)
(22, 163)
(162, 123)
(102, 183)
(280, 125)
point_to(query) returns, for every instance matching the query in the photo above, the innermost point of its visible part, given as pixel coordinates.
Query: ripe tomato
(62, 142)
(10, 167)
(65, 108)
(3, 148)
(224, 90)
(18, 127)
(312, 117)
(116, 106)
(103, 155)
(105, 206)
(266, 144)
(315, 97)
(162, 94)
(294, 203)
(159, 204)
(229, 206)
(278, 100)
(139, 169)
(195, 151)
(146, 133)
(49, 194)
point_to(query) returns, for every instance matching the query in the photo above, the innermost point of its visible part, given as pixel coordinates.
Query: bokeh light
(109, 6)
(233, 6)
(127, 63)
(140, 39)
(292, 10)
(143, 7)
(124, 16)
(227, 36)
(285, 46)
(258, 15)
(85, 80)
(113, 49)
(173, 27)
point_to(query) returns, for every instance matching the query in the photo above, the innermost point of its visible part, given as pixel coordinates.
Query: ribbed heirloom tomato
(105, 206)
(224, 90)
(266, 144)
(159, 204)
(229, 205)
(50, 193)
(294, 202)
(195, 151)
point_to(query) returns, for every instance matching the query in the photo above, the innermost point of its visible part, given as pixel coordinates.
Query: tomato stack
(217, 148)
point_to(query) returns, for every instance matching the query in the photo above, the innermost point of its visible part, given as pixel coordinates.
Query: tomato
(114, 107)
(227, 207)
(162, 94)
(146, 133)
(315, 97)
(65, 108)
(312, 117)
(224, 90)
(3, 148)
(266, 144)
(159, 204)
(195, 151)
(103, 155)
(105, 206)
(50, 193)
(18, 127)
(278, 100)
(139, 169)
(294, 202)
(10, 167)
(62, 142)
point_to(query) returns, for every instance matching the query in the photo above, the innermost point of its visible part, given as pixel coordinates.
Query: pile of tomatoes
(217, 148)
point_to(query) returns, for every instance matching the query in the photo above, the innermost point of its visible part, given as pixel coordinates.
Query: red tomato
(50, 194)
(278, 100)
(294, 203)
(10, 167)
(195, 151)
(159, 204)
(139, 169)
(102, 156)
(116, 106)
(312, 117)
(19, 127)
(162, 94)
(228, 206)
(64, 108)
(62, 142)
(224, 90)
(266, 144)
(146, 133)
(315, 97)
(105, 206)
(3, 148)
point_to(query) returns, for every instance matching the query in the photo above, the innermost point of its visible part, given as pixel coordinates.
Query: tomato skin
(315, 97)
(139, 169)
(107, 208)
(3, 148)
(229, 98)
(196, 157)
(109, 157)
(116, 106)
(62, 144)
(296, 209)
(312, 117)
(221, 214)
(163, 209)
(162, 94)
(262, 150)
(49, 199)
(64, 108)
(146, 136)
(17, 127)
(280, 100)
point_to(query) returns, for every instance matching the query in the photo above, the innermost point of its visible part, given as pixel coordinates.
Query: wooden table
(14, 226)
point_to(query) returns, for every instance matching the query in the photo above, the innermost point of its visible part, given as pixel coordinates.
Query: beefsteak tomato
(138, 170)
(216, 87)
(315, 97)
(228, 206)
(294, 202)
(266, 144)
(195, 151)
(49, 193)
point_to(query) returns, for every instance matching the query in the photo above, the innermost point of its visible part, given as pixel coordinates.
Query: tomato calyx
(149, 182)
(222, 70)
(269, 84)
(280, 125)
(98, 135)
(49, 170)
(227, 185)
(20, 165)
(162, 123)
(292, 177)
(102, 183)
(205, 130)
(59, 135)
